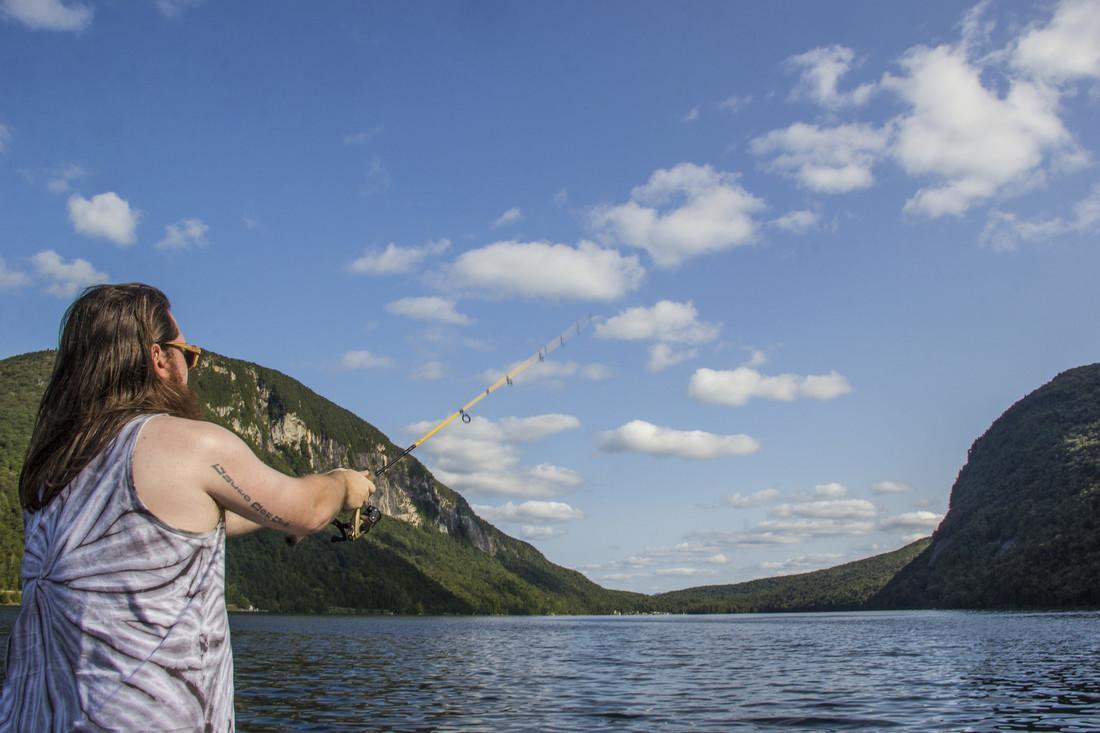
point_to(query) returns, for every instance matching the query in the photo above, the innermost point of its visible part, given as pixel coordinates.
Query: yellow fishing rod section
(360, 525)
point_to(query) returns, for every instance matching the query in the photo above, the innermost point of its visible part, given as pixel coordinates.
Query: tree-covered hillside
(1023, 527)
(844, 588)
(431, 554)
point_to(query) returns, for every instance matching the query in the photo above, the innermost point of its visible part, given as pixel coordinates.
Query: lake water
(901, 671)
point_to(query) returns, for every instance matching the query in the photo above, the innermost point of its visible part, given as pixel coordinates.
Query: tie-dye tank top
(123, 623)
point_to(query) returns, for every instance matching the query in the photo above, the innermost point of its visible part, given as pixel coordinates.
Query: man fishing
(128, 497)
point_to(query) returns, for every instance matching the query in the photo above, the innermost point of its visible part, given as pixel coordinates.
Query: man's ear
(158, 356)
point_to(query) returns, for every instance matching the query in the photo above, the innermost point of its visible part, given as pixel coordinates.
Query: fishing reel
(361, 522)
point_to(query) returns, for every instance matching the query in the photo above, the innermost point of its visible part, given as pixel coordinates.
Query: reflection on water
(904, 671)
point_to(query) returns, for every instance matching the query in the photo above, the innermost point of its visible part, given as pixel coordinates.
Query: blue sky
(823, 246)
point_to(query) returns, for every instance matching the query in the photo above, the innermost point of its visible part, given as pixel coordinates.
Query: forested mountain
(846, 587)
(430, 553)
(1023, 527)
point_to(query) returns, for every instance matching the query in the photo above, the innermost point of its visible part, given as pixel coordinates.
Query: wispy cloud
(185, 234)
(736, 387)
(48, 15)
(509, 217)
(528, 511)
(820, 71)
(430, 308)
(759, 498)
(829, 160)
(891, 487)
(364, 360)
(639, 436)
(61, 180)
(363, 136)
(66, 278)
(5, 138)
(797, 222)
(11, 279)
(395, 259)
(1005, 231)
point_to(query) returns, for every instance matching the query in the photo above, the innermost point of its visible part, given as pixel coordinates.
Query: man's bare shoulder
(190, 436)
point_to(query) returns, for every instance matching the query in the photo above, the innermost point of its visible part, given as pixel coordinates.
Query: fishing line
(363, 519)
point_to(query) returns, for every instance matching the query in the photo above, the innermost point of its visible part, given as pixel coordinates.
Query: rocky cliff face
(1023, 527)
(270, 412)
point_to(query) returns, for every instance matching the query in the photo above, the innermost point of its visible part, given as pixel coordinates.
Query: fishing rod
(366, 517)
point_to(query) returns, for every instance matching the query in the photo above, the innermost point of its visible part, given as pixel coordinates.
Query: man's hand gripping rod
(363, 519)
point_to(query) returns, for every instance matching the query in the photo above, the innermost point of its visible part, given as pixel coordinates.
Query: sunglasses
(191, 353)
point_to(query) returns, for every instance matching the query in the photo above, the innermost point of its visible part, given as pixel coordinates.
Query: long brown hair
(102, 378)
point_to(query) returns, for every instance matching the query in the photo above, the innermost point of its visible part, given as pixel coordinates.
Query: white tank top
(123, 623)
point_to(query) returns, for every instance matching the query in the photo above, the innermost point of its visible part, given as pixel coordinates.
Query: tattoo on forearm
(255, 505)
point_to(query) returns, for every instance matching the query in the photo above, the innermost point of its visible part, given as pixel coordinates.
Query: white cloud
(509, 217)
(1066, 48)
(1006, 231)
(11, 279)
(49, 15)
(667, 322)
(735, 103)
(184, 234)
(67, 278)
(827, 160)
(482, 456)
(529, 511)
(691, 116)
(106, 216)
(547, 270)
(431, 308)
(662, 356)
(974, 142)
(5, 138)
(821, 70)
(803, 563)
(891, 487)
(535, 428)
(430, 371)
(175, 8)
(742, 384)
(912, 520)
(394, 259)
(638, 436)
(61, 182)
(827, 509)
(830, 491)
(797, 222)
(532, 532)
(788, 530)
(760, 498)
(682, 212)
(685, 572)
(364, 360)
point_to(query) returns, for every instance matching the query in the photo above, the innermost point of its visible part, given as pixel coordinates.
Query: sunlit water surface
(903, 671)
